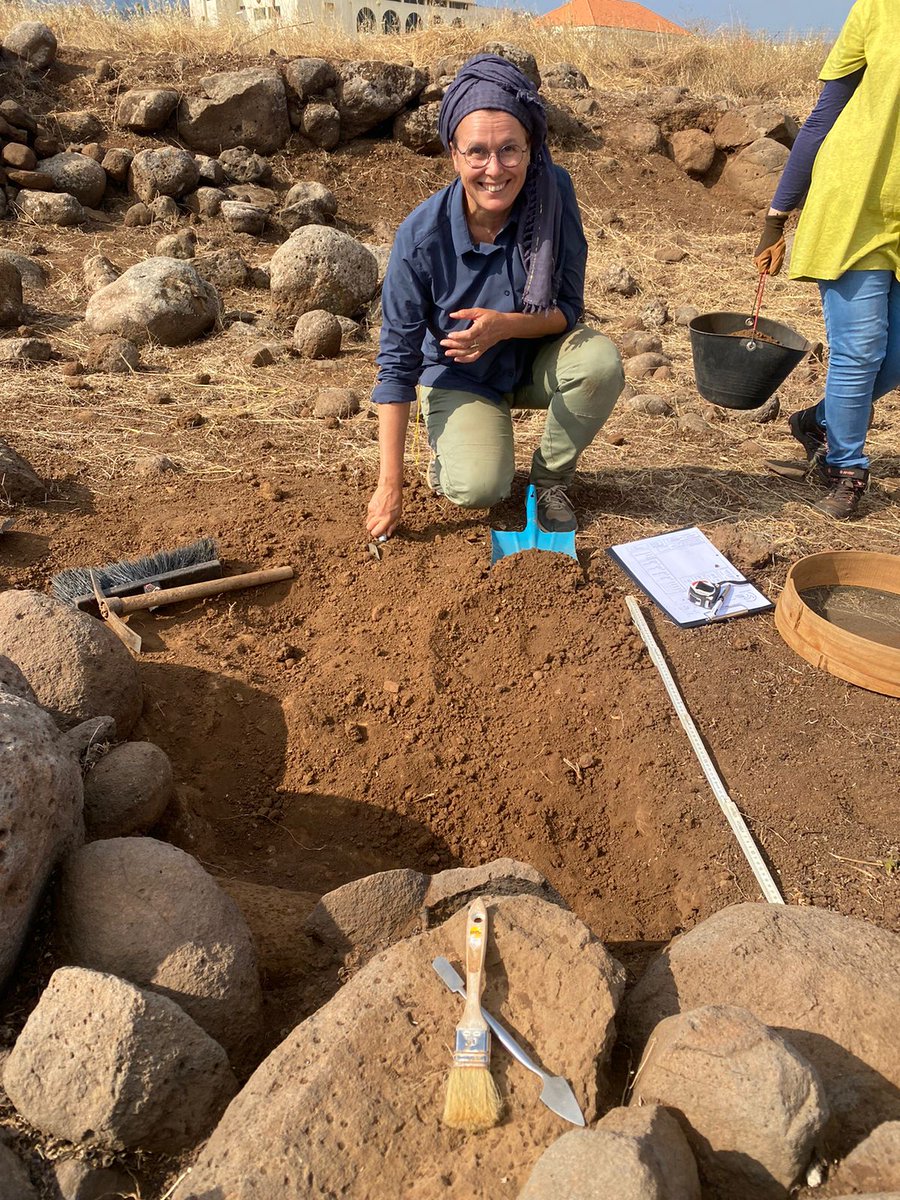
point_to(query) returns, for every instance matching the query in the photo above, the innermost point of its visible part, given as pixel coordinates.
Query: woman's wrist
(535, 324)
(391, 479)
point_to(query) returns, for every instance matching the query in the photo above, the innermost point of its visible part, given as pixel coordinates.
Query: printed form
(666, 565)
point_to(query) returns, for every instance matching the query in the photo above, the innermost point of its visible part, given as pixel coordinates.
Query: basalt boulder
(145, 110)
(319, 267)
(165, 171)
(829, 984)
(104, 1063)
(361, 1080)
(40, 814)
(78, 175)
(33, 42)
(236, 108)
(77, 667)
(149, 913)
(160, 299)
(371, 92)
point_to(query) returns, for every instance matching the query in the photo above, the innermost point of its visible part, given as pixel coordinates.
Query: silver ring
(474, 345)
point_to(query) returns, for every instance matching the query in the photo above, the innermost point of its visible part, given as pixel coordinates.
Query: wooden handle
(476, 948)
(122, 605)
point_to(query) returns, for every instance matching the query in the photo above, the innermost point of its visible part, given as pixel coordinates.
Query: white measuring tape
(729, 808)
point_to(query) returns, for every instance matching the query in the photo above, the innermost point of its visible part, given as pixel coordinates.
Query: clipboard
(665, 565)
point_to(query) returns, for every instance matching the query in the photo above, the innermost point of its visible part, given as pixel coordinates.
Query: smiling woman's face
(490, 190)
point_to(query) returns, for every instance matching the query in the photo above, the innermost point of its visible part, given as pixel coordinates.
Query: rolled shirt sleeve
(848, 53)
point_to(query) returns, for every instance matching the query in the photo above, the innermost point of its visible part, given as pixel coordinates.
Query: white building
(349, 16)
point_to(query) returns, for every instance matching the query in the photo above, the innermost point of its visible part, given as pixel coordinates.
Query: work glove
(771, 250)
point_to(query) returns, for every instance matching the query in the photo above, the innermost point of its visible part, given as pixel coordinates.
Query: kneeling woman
(481, 308)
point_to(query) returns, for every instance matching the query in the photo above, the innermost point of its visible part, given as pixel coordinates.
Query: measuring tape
(704, 593)
(732, 813)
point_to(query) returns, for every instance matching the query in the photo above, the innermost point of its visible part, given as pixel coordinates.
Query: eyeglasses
(479, 156)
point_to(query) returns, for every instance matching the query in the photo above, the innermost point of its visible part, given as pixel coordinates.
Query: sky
(774, 16)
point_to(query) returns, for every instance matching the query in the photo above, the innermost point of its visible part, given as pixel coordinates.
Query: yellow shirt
(851, 219)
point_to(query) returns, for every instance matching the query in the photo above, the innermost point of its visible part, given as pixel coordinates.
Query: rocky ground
(423, 712)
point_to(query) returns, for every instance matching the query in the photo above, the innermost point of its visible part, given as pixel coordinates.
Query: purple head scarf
(488, 81)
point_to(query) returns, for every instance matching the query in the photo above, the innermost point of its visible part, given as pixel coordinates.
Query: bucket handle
(757, 306)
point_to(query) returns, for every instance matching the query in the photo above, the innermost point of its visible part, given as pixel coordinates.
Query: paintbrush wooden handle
(122, 605)
(476, 948)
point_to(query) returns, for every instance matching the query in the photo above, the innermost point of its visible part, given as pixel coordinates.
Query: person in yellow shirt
(846, 160)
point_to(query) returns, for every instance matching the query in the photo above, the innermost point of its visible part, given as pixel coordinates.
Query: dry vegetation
(738, 65)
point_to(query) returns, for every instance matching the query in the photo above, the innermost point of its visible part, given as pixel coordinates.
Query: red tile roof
(609, 14)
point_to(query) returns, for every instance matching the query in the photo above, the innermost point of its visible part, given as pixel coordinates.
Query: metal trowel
(556, 1092)
(532, 537)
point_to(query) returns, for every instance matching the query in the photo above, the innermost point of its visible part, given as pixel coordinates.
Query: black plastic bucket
(742, 372)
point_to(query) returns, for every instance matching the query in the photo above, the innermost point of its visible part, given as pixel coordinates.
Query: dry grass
(734, 64)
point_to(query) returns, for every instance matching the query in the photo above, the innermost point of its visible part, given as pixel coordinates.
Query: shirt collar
(459, 226)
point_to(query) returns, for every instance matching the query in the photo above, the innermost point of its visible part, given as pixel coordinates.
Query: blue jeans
(862, 321)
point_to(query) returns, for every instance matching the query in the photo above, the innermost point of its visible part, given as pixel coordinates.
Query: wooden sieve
(868, 664)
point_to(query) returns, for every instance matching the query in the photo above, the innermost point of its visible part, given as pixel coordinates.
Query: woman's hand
(385, 509)
(487, 329)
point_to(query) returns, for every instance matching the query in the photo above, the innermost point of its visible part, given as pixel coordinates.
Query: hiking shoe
(433, 476)
(556, 513)
(811, 436)
(846, 486)
(808, 432)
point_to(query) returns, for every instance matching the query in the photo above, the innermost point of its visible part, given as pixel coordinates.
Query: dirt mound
(427, 711)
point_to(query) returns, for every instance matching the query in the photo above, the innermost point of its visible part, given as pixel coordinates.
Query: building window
(390, 22)
(365, 21)
(413, 22)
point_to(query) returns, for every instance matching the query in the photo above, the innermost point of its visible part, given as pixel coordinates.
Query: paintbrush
(473, 1102)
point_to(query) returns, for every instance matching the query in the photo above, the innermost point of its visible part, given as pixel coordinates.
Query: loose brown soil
(426, 711)
(756, 337)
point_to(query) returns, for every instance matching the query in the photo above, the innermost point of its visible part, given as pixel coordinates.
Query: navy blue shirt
(435, 269)
(794, 182)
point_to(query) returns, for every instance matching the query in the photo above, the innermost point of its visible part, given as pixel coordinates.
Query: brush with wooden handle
(473, 1102)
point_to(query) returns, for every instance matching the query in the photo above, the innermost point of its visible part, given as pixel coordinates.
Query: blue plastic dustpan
(532, 536)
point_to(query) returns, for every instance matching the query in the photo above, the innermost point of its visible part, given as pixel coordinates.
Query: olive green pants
(577, 378)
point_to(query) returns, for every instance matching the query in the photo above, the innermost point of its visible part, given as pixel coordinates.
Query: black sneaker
(808, 432)
(811, 436)
(556, 513)
(845, 490)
